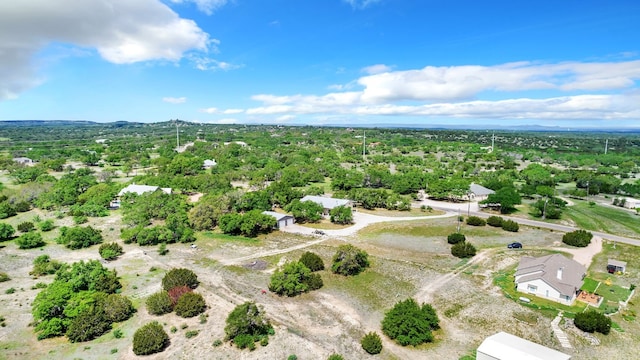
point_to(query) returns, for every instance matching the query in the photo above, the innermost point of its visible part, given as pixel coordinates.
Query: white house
(282, 220)
(552, 277)
(136, 189)
(327, 203)
(631, 203)
(208, 164)
(504, 346)
(241, 143)
(23, 161)
(479, 192)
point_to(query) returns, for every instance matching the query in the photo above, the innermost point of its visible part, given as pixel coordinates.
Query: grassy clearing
(394, 213)
(589, 285)
(224, 238)
(603, 218)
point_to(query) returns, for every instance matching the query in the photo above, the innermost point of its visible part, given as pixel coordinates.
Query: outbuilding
(504, 346)
(282, 220)
(614, 266)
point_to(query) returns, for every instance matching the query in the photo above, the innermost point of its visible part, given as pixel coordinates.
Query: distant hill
(47, 123)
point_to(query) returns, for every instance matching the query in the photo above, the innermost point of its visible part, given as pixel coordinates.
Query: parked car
(515, 245)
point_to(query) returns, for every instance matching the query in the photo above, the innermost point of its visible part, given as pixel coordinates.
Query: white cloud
(233, 111)
(225, 121)
(376, 69)
(206, 63)
(214, 110)
(284, 118)
(206, 6)
(360, 4)
(121, 31)
(211, 110)
(174, 100)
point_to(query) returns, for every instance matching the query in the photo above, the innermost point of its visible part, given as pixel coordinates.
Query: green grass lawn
(603, 218)
(589, 285)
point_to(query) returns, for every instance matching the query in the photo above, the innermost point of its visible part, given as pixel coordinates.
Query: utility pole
(458, 221)
(493, 141)
(606, 146)
(364, 140)
(177, 137)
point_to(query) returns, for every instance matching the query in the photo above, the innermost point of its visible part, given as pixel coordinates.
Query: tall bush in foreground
(578, 238)
(371, 343)
(476, 221)
(190, 305)
(349, 260)
(455, 238)
(179, 277)
(510, 225)
(495, 221)
(312, 261)
(591, 321)
(30, 240)
(247, 321)
(463, 250)
(159, 303)
(110, 251)
(409, 323)
(150, 339)
(294, 279)
(6, 231)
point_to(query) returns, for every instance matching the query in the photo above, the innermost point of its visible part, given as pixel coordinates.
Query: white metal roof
(327, 203)
(505, 346)
(278, 216)
(141, 189)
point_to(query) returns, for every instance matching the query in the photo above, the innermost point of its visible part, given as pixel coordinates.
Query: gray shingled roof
(546, 268)
(327, 203)
(480, 190)
(277, 215)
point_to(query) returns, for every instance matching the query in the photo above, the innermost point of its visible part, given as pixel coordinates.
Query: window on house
(532, 288)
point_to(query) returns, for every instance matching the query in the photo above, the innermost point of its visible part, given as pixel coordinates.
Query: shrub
(294, 279)
(30, 240)
(456, 238)
(510, 225)
(43, 265)
(162, 249)
(26, 226)
(476, 221)
(177, 292)
(495, 221)
(371, 343)
(6, 231)
(191, 333)
(110, 251)
(312, 261)
(292, 357)
(179, 277)
(591, 321)
(579, 238)
(409, 323)
(46, 225)
(217, 343)
(22, 206)
(118, 334)
(88, 325)
(190, 305)
(150, 339)
(10, 290)
(335, 357)
(4, 277)
(349, 260)
(246, 324)
(79, 237)
(159, 303)
(117, 308)
(463, 250)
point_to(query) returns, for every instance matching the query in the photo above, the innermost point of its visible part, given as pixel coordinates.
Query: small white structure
(23, 161)
(479, 192)
(631, 203)
(241, 143)
(327, 203)
(504, 346)
(282, 220)
(614, 266)
(141, 189)
(552, 277)
(208, 164)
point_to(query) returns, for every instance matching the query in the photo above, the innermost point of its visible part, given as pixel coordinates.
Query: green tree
(306, 211)
(463, 250)
(349, 260)
(476, 221)
(159, 303)
(455, 238)
(507, 198)
(371, 343)
(117, 308)
(79, 237)
(179, 277)
(110, 251)
(6, 210)
(341, 215)
(592, 321)
(190, 304)
(495, 221)
(409, 323)
(510, 225)
(150, 339)
(294, 279)
(30, 240)
(247, 320)
(26, 226)
(578, 238)
(6, 232)
(312, 261)
(43, 265)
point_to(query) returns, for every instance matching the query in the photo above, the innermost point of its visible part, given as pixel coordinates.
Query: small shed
(614, 266)
(504, 346)
(282, 220)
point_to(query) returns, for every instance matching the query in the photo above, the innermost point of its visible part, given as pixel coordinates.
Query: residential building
(282, 220)
(554, 277)
(327, 203)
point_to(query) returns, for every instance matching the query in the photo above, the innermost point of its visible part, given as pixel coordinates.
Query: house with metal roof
(554, 277)
(479, 192)
(327, 203)
(282, 220)
(141, 189)
(504, 346)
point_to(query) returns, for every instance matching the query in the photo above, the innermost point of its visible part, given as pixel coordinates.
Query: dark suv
(515, 245)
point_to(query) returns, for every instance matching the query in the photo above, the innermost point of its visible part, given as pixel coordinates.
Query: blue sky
(342, 62)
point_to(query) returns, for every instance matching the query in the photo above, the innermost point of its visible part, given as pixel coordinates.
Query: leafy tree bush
(4, 277)
(26, 226)
(476, 221)
(456, 238)
(247, 319)
(592, 320)
(510, 225)
(80, 219)
(349, 260)
(495, 221)
(507, 197)
(88, 325)
(341, 215)
(190, 304)
(409, 323)
(46, 225)
(6, 210)
(6, 231)
(159, 303)
(371, 343)
(150, 339)
(294, 279)
(335, 357)
(177, 292)
(43, 265)
(79, 237)
(307, 211)
(117, 308)
(30, 240)
(463, 250)
(179, 277)
(22, 206)
(90, 275)
(312, 261)
(578, 238)
(110, 251)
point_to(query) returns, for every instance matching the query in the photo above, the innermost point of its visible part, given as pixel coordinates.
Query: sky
(562, 63)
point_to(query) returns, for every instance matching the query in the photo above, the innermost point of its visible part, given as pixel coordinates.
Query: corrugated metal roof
(505, 346)
(327, 203)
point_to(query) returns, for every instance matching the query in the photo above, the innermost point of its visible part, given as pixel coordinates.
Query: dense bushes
(249, 224)
(463, 250)
(312, 261)
(591, 321)
(150, 339)
(495, 221)
(190, 304)
(510, 225)
(6, 231)
(79, 237)
(341, 215)
(349, 260)
(110, 251)
(371, 343)
(159, 303)
(179, 277)
(26, 226)
(30, 240)
(294, 279)
(455, 238)
(247, 324)
(476, 221)
(409, 323)
(43, 265)
(579, 238)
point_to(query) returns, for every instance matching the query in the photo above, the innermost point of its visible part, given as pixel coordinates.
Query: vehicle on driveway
(514, 245)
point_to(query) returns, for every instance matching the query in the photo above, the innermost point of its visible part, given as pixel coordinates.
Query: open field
(603, 218)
